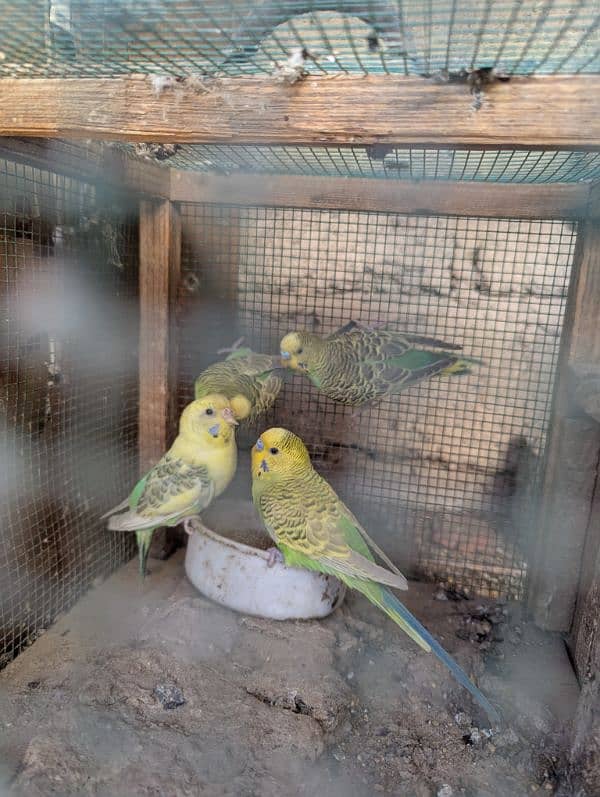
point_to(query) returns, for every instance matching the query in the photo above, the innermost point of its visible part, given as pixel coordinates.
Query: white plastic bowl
(237, 576)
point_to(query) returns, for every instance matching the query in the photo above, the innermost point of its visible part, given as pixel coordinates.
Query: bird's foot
(275, 557)
(234, 347)
(190, 524)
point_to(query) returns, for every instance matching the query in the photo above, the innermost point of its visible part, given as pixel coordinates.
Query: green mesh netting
(233, 37)
(414, 163)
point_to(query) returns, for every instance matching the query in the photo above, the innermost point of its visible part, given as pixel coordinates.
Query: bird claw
(189, 524)
(234, 347)
(275, 557)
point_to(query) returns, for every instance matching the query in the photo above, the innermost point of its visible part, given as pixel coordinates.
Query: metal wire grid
(445, 474)
(68, 392)
(415, 163)
(234, 37)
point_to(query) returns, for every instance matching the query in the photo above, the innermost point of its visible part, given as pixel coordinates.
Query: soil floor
(151, 689)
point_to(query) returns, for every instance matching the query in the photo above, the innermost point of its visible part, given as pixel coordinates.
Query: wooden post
(585, 647)
(572, 454)
(160, 262)
(160, 258)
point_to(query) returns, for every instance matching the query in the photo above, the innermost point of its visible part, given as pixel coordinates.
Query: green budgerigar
(312, 528)
(359, 364)
(249, 380)
(198, 467)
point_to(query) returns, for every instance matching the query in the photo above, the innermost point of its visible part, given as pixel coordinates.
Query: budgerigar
(198, 467)
(358, 364)
(249, 380)
(312, 528)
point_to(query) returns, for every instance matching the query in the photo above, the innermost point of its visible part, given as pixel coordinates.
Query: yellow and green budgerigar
(198, 467)
(248, 379)
(358, 364)
(312, 528)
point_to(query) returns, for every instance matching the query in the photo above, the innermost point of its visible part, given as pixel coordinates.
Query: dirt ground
(150, 689)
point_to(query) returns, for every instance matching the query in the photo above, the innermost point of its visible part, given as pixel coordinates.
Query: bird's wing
(349, 327)
(423, 340)
(172, 489)
(322, 528)
(370, 543)
(355, 559)
(253, 363)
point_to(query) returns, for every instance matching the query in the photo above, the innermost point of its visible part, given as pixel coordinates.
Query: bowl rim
(241, 547)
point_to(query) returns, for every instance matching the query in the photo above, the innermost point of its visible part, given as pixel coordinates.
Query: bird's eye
(274, 450)
(300, 351)
(210, 411)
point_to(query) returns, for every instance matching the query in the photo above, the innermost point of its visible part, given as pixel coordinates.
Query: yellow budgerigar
(312, 528)
(251, 381)
(199, 466)
(358, 365)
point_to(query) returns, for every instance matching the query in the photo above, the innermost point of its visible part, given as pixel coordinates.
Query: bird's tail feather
(461, 366)
(400, 615)
(116, 508)
(144, 540)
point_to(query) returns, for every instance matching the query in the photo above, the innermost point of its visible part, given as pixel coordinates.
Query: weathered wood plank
(584, 763)
(92, 162)
(594, 203)
(393, 196)
(584, 639)
(160, 237)
(572, 452)
(585, 387)
(548, 111)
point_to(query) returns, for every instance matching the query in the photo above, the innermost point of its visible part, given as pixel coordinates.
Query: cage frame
(162, 190)
(528, 113)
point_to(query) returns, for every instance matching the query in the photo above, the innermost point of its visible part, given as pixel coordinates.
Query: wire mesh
(235, 37)
(380, 161)
(445, 474)
(68, 391)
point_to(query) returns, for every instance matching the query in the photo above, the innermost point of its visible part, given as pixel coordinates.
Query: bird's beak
(214, 430)
(228, 417)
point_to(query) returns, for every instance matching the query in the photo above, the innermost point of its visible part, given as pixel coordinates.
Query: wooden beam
(393, 196)
(572, 452)
(92, 162)
(594, 205)
(584, 639)
(584, 757)
(549, 111)
(160, 254)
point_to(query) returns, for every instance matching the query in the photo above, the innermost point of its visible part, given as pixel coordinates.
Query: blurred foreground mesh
(68, 392)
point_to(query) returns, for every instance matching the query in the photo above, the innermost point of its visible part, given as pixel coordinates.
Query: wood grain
(391, 196)
(160, 237)
(572, 453)
(548, 111)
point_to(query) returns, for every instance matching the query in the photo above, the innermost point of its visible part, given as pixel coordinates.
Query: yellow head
(241, 406)
(208, 419)
(297, 350)
(278, 453)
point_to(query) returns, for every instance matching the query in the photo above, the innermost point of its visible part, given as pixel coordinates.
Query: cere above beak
(214, 430)
(285, 355)
(259, 445)
(227, 415)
